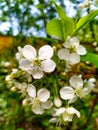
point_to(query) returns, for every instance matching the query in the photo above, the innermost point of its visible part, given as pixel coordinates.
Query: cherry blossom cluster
(35, 64)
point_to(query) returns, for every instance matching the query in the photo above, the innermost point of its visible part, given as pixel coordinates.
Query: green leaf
(54, 28)
(60, 11)
(60, 28)
(86, 19)
(91, 57)
(67, 27)
(67, 20)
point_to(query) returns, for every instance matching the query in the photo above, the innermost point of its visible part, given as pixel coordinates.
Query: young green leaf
(83, 21)
(60, 28)
(93, 58)
(60, 11)
(54, 28)
(62, 15)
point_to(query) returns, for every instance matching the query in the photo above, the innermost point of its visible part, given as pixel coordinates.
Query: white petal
(25, 64)
(53, 120)
(8, 78)
(53, 111)
(47, 105)
(76, 82)
(19, 53)
(66, 93)
(78, 113)
(81, 50)
(37, 73)
(60, 111)
(45, 52)
(72, 110)
(38, 109)
(31, 90)
(63, 54)
(19, 56)
(29, 52)
(43, 94)
(74, 41)
(92, 80)
(74, 58)
(67, 42)
(48, 65)
(73, 99)
(85, 91)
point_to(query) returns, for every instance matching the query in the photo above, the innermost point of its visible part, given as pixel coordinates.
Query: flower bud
(13, 89)
(29, 79)
(25, 102)
(57, 102)
(8, 78)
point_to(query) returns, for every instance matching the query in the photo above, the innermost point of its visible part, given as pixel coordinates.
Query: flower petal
(81, 50)
(43, 94)
(74, 41)
(19, 53)
(72, 110)
(67, 42)
(73, 99)
(29, 52)
(63, 54)
(53, 120)
(53, 111)
(25, 64)
(48, 65)
(37, 73)
(31, 90)
(38, 109)
(74, 58)
(76, 82)
(60, 111)
(66, 93)
(45, 52)
(47, 105)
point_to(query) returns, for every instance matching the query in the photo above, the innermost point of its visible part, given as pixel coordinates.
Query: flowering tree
(44, 77)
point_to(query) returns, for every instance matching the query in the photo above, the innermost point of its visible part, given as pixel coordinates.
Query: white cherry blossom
(75, 89)
(36, 64)
(71, 51)
(89, 85)
(39, 100)
(64, 114)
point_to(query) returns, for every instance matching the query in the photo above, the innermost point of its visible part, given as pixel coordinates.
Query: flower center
(72, 49)
(79, 93)
(37, 62)
(36, 102)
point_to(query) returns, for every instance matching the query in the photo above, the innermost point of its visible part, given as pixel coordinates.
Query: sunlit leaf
(60, 28)
(86, 19)
(91, 57)
(68, 23)
(54, 28)
(60, 11)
